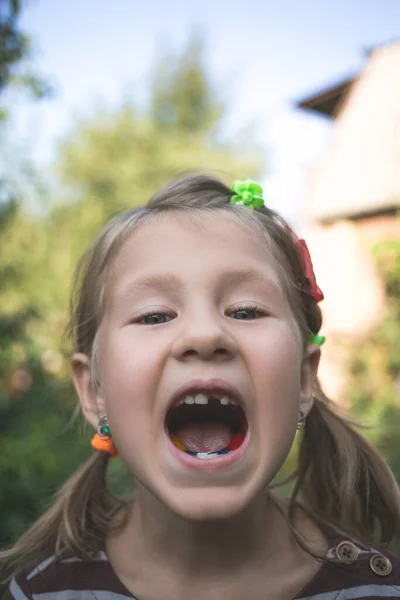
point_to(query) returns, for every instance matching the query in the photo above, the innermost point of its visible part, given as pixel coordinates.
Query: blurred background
(102, 102)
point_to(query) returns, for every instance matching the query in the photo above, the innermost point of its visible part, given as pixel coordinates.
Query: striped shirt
(358, 573)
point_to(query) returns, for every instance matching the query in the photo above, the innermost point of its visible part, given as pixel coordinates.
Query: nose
(204, 337)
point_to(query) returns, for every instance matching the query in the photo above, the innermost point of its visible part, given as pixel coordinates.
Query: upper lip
(196, 386)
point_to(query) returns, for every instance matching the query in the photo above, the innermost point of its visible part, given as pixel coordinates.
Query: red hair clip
(310, 281)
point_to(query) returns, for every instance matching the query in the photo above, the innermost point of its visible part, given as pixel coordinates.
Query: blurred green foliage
(374, 389)
(15, 53)
(113, 161)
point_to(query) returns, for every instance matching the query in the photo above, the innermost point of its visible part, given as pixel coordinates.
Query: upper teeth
(202, 399)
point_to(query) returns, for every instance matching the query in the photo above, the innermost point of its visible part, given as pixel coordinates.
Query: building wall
(354, 294)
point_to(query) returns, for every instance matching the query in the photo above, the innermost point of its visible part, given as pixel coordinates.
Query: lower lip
(206, 464)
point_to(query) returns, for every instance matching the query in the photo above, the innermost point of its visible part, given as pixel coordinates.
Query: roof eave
(328, 100)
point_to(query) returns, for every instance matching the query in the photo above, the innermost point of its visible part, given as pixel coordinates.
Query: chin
(206, 504)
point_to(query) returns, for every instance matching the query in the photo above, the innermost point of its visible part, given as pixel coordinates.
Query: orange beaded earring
(102, 441)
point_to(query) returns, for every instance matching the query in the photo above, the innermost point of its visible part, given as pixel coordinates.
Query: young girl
(196, 329)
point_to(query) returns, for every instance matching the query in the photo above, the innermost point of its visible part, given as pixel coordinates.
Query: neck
(198, 549)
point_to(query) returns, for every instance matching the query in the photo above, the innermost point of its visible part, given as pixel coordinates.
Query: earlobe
(309, 371)
(92, 404)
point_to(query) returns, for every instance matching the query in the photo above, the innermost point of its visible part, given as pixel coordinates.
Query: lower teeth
(205, 455)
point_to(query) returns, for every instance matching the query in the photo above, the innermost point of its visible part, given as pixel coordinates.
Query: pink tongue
(209, 436)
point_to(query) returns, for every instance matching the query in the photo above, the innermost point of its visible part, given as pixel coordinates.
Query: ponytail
(343, 480)
(77, 521)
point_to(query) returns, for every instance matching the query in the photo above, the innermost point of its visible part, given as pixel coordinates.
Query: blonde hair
(346, 483)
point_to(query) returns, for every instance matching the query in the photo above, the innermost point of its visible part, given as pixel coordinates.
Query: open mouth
(206, 425)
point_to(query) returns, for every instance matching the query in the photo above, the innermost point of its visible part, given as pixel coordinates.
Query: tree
(182, 98)
(15, 50)
(30, 461)
(13, 44)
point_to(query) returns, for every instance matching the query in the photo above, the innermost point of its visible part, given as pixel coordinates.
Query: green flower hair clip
(247, 193)
(315, 338)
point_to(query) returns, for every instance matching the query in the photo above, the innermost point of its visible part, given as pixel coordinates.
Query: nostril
(204, 345)
(190, 353)
(206, 353)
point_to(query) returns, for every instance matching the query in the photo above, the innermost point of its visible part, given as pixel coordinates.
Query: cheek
(128, 374)
(278, 394)
(276, 372)
(277, 355)
(129, 359)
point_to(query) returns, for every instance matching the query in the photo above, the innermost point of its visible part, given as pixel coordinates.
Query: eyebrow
(170, 283)
(164, 283)
(238, 276)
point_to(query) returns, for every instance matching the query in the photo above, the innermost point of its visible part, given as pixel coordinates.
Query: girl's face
(198, 348)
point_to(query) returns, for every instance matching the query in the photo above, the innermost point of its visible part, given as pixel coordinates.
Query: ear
(309, 369)
(91, 401)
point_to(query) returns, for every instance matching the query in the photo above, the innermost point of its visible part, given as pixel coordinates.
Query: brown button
(347, 551)
(380, 565)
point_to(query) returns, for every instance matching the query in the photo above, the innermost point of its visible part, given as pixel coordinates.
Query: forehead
(187, 246)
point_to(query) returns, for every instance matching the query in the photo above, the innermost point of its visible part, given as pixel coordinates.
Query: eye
(155, 318)
(247, 313)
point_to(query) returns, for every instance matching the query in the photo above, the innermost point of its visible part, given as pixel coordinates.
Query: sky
(262, 56)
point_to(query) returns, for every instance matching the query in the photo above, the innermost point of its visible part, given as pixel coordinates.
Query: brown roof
(328, 100)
